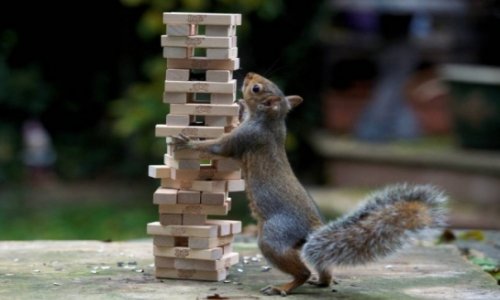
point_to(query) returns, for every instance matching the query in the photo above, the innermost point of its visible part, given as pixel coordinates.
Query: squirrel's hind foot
(273, 290)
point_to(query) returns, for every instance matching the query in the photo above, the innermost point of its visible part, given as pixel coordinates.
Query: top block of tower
(201, 18)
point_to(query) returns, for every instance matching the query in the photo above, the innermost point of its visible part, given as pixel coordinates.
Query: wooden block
(178, 120)
(170, 241)
(221, 53)
(155, 228)
(201, 18)
(209, 198)
(189, 197)
(236, 185)
(164, 241)
(205, 109)
(197, 209)
(235, 226)
(220, 30)
(185, 252)
(200, 87)
(192, 154)
(217, 121)
(216, 98)
(226, 249)
(165, 196)
(226, 261)
(216, 275)
(204, 173)
(158, 171)
(177, 98)
(176, 184)
(186, 164)
(170, 219)
(177, 74)
(209, 185)
(177, 52)
(198, 41)
(224, 227)
(203, 63)
(194, 219)
(227, 164)
(164, 262)
(191, 131)
(180, 29)
(206, 243)
(219, 75)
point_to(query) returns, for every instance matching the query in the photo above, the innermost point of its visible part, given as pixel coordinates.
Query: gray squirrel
(291, 231)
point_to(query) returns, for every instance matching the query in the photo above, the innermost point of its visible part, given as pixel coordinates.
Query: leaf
(472, 235)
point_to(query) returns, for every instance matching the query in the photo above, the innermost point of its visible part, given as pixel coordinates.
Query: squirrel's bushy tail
(378, 228)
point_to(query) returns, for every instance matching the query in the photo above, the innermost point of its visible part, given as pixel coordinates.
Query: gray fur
(348, 242)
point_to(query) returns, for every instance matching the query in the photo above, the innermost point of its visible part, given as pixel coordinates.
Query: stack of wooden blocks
(201, 92)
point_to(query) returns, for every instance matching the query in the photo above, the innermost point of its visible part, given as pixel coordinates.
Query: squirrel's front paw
(180, 142)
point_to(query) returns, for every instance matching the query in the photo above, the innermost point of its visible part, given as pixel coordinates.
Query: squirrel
(292, 234)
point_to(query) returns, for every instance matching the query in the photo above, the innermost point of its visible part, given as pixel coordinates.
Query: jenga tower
(201, 92)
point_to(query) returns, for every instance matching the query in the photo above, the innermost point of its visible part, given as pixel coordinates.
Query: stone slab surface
(124, 270)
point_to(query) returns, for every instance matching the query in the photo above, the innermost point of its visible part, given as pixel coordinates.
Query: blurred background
(395, 91)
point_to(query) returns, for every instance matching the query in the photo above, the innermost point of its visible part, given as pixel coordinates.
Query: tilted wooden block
(205, 109)
(155, 228)
(209, 198)
(177, 74)
(194, 219)
(188, 197)
(191, 131)
(203, 63)
(165, 196)
(201, 18)
(219, 75)
(200, 87)
(222, 98)
(226, 261)
(206, 243)
(221, 53)
(198, 209)
(176, 184)
(216, 275)
(181, 29)
(220, 30)
(184, 252)
(158, 171)
(177, 52)
(177, 98)
(198, 41)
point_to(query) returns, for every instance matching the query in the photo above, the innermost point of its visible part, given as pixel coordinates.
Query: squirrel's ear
(294, 100)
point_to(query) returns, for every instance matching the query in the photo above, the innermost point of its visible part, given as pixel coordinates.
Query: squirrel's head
(262, 96)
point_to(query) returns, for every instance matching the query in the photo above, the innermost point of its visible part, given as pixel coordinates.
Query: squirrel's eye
(256, 88)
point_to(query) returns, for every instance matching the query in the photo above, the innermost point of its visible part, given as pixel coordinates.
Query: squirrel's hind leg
(290, 263)
(324, 279)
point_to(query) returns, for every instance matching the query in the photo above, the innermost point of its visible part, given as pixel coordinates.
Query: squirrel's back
(376, 229)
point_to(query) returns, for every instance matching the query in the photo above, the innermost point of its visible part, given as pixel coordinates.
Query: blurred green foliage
(102, 122)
